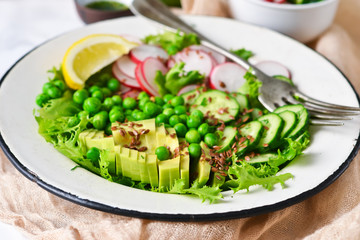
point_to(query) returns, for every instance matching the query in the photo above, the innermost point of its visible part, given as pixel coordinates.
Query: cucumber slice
(302, 115)
(273, 126)
(213, 101)
(190, 97)
(262, 158)
(290, 122)
(228, 137)
(256, 113)
(253, 131)
(242, 100)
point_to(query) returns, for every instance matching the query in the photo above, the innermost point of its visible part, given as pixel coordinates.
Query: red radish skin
(149, 68)
(124, 89)
(273, 68)
(227, 77)
(219, 58)
(188, 88)
(142, 82)
(123, 79)
(140, 53)
(126, 66)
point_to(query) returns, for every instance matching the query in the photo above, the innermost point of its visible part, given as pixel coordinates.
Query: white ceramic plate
(329, 154)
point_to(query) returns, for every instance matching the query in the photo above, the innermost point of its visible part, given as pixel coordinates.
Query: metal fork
(273, 92)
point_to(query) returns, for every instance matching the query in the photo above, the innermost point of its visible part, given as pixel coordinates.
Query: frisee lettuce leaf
(243, 53)
(177, 78)
(251, 89)
(172, 42)
(244, 175)
(211, 194)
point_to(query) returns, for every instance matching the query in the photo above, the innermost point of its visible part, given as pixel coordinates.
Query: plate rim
(181, 217)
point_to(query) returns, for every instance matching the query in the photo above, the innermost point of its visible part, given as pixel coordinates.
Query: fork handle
(159, 13)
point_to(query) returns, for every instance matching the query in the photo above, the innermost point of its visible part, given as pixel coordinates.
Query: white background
(24, 24)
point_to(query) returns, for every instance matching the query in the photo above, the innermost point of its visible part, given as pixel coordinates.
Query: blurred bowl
(90, 14)
(303, 22)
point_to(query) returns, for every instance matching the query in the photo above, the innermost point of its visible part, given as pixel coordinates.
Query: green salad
(174, 133)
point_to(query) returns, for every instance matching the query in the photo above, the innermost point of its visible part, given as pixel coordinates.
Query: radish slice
(126, 65)
(140, 53)
(197, 60)
(219, 58)
(227, 77)
(124, 89)
(142, 82)
(149, 68)
(170, 63)
(273, 68)
(187, 88)
(123, 79)
(134, 93)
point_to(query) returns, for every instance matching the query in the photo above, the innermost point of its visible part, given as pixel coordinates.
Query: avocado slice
(217, 179)
(185, 164)
(150, 137)
(169, 171)
(122, 136)
(125, 166)
(144, 175)
(117, 150)
(203, 168)
(152, 168)
(160, 135)
(134, 167)
(172, 140)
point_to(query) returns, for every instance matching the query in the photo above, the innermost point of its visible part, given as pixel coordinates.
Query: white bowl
(303, 22)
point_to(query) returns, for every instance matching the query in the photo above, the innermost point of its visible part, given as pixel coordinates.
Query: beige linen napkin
(334, 213)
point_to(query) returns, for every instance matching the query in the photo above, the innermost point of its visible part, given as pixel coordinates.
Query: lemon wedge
(90, 54)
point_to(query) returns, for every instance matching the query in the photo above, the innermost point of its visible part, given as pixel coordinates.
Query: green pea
(46, 86)
(193, 136)
(159, 101)
(151, 109)
(194, 150)
(161, 118)
(143, 95)
(93, 154)
(168, 97)
(83, 114)
(211, 139)
(180, 110)
(42, 99)
(193, 121)
(108, 130)
(116, 99)
(204, 129)
(177, 101)
(92, 105)
(108, 103)
(180, 129)
(98, 94)
(79, 96)
(94, 88)
(60, 84)
(113, 84)
(166, 105)
(162, 153)
(169, 112)
(73, 121)
(128, 112)
(53, 92)
(141, 116)
(142, 102)
(129, 103)
(106, 91)
(116, 116)
(116, 108)
(198, 113)
(184, 118)
(133, 114)
(100, 120)
(174, 119)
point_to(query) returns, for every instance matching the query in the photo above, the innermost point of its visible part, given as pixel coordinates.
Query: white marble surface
(24, 24)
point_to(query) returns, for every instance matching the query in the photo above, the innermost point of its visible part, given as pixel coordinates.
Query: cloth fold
(334, 213)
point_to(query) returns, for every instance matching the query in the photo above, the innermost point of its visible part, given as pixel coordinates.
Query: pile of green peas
(51, 90)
